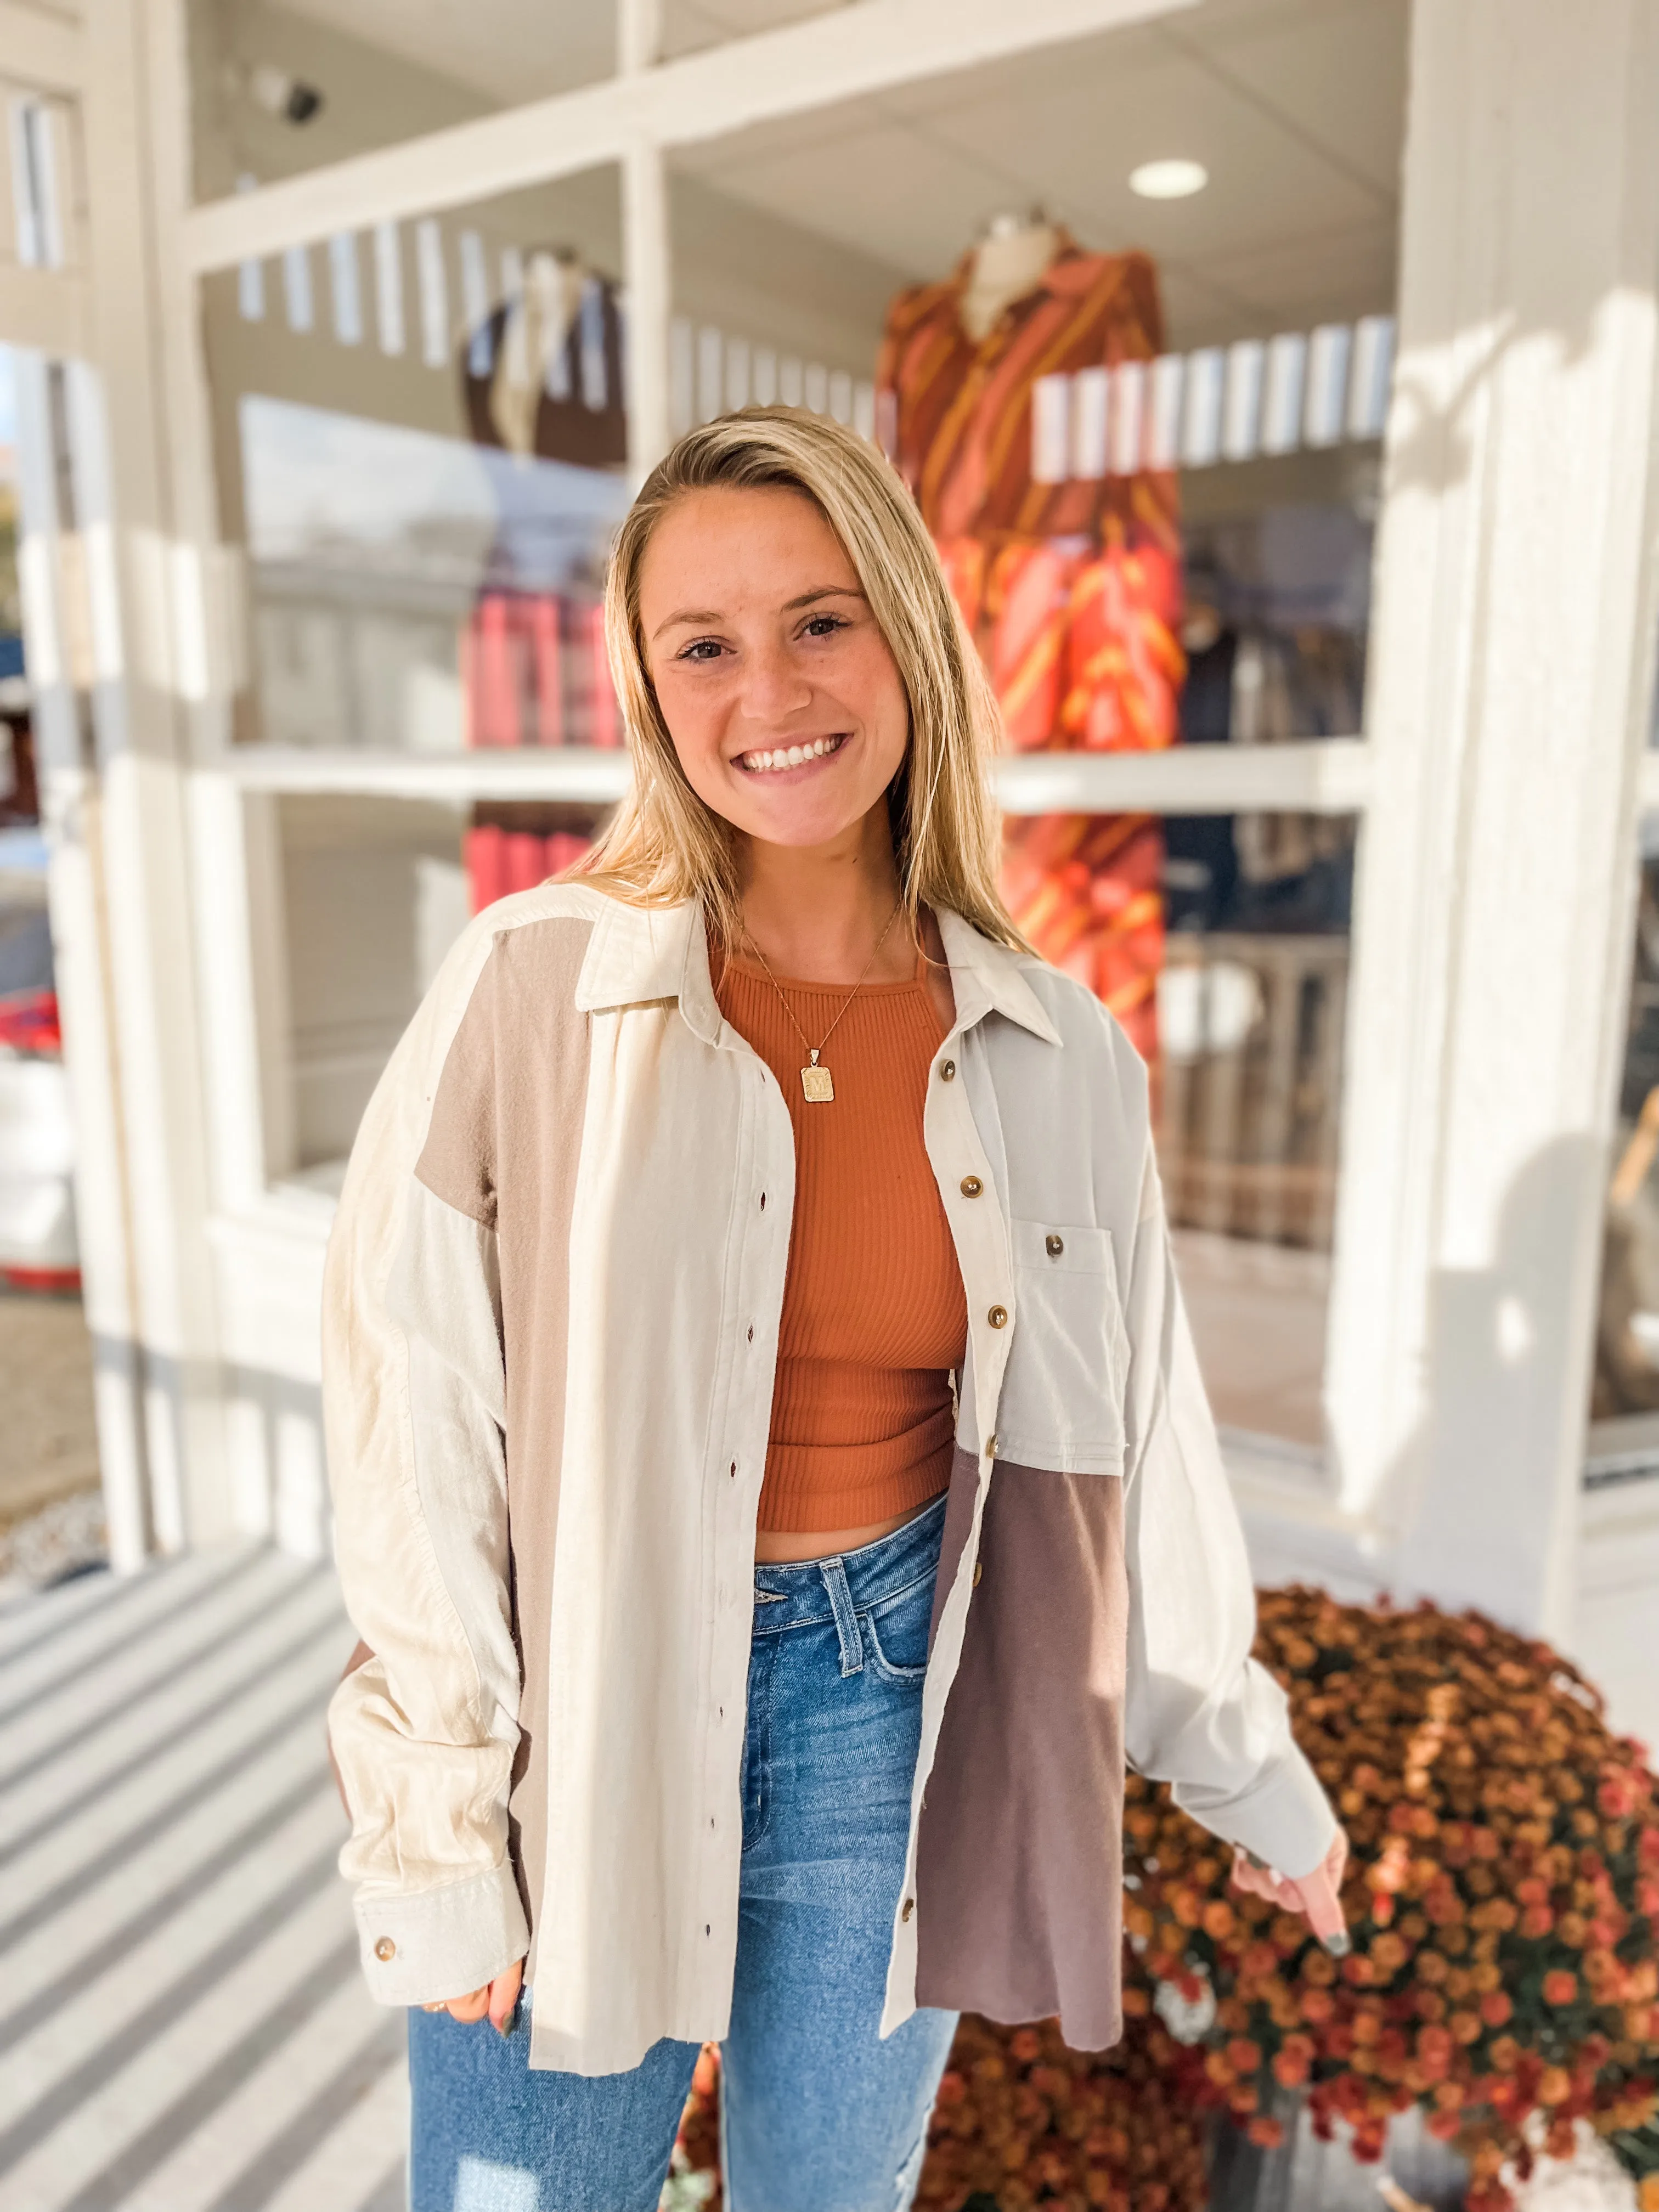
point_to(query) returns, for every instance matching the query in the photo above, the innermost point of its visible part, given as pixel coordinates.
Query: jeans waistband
(809, 1591)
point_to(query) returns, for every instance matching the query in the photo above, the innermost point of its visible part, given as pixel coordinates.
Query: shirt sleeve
(1200, 1713)
(425, 1731)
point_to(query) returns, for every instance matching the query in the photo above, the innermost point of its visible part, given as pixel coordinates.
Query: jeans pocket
(896, 1632)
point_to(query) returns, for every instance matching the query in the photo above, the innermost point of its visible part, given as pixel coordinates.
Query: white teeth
(790, 756)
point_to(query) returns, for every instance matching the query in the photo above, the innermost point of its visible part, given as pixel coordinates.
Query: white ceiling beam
(41, 52)
(849, 52)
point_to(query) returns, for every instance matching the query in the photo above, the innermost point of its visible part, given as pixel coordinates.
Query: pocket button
(1054, 1245)
(385, 1949)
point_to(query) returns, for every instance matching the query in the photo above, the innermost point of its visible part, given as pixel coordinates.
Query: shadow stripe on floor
(83, 2083)
(304, 1712)
(119, 1942)
(112, 2183)
(252, 2188)
(143, 1693)
(191, 1724)
(129, 1641)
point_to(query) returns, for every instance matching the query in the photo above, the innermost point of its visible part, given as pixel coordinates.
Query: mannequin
(1071, 587)
(1010, 260)
(545, 377)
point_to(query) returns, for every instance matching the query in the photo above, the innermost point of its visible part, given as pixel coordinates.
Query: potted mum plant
(1502, 1898)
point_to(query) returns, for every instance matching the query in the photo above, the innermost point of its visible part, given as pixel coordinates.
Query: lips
(762, 761)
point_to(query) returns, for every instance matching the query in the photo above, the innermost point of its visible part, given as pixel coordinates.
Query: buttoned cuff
(1284, 1817)
(432, 1945)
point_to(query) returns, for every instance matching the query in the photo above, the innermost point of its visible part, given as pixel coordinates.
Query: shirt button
(991, 1445)
(997, 1316)
(947, 1071)
(979, 1569)
(971, 1186)
(1054, 1245)
(909, 1907)
(386, 1948)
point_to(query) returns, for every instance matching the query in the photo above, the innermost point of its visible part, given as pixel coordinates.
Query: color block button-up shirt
(550, 1327)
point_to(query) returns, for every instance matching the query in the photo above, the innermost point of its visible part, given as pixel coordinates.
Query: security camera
(282, 95)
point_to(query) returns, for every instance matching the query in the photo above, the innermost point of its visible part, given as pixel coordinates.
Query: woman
(772, 1475)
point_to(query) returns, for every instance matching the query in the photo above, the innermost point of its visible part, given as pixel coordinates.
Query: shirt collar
(640, 954)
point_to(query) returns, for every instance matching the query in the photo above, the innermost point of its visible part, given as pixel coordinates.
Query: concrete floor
(48, 1449)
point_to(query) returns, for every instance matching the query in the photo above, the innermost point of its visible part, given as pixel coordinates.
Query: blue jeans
(818, 2113)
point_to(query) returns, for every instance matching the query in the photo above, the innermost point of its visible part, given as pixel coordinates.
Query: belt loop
(847, 1621)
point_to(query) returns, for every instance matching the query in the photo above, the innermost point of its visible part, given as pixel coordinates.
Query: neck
(1006, 265)
(817, 911)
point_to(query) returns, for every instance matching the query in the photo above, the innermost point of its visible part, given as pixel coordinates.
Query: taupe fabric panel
(1019, 1869)
(504, 1144)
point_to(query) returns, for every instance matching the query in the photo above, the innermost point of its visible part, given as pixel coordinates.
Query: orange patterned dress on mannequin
(1072, 589)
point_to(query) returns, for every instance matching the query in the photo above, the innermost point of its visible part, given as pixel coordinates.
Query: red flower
(1560, 1988)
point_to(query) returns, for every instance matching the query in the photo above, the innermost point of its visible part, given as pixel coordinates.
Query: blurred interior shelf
(1324, 775)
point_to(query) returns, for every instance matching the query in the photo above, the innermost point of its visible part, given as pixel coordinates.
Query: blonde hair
(665, 844)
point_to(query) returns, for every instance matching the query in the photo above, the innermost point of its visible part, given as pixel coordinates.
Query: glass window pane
(1234, 985)
(279, 89)
(369, 894)
(421, 437)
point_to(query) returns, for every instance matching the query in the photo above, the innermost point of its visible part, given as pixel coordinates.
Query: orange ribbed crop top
(874, 1317)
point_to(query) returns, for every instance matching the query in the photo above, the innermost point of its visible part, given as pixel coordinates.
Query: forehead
(763, 542)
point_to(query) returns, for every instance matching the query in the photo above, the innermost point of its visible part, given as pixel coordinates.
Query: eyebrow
(694, 617)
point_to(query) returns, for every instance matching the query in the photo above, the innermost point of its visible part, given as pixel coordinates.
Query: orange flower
(1560, 1988)
(1496, 2008)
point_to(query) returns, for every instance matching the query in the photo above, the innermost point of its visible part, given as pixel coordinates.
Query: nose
(773, 686)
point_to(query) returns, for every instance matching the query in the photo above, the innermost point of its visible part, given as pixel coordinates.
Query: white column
(1510, 676)
(147, 574)
(68, 654)
(646, 254)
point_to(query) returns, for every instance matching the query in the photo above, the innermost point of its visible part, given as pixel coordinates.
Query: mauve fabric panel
(1019, 1872)
(505, 1138)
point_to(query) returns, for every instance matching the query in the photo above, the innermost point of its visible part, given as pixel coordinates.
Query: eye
(701, 649)
(823, 625)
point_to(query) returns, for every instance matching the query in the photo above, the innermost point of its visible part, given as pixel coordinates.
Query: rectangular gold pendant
(816, 1084)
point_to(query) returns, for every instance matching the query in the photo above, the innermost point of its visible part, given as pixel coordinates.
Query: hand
(495, 2000)
(1317, 1894)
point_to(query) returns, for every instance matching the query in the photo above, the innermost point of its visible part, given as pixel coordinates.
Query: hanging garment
(543, 375)
(1071, 589)
(1284, 690)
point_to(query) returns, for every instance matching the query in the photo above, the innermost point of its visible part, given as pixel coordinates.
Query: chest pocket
(1062, 1406)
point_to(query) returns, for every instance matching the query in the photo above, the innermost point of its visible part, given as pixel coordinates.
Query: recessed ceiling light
(1169, 180)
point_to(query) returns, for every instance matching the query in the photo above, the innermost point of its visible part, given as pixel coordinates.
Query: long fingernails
(1339, 1945)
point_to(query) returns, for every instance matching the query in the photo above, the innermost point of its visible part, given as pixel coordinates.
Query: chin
(803, 833)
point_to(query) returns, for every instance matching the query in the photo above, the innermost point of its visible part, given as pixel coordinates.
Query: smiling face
(783, 698)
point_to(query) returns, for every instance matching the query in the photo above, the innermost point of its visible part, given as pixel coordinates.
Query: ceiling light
(1169, 180)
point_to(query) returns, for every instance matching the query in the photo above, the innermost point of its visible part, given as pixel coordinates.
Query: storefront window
(421, 437)
(1120, 311)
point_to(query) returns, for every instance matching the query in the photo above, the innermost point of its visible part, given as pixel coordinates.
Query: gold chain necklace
(816, 1085)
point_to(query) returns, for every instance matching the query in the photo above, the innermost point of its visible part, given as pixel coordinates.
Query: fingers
(1315, 1895)
(496, 2001)
(504, 1997)
(1318, 1898)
